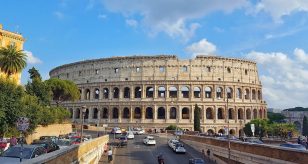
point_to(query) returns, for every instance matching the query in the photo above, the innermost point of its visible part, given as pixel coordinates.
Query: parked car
(138, 131)
(52, 138)
(196, 161)
(293, 146)
(130, 135)
(12, 154)
(62, 143)
(47, 144)
(116, 130)
(4, 145)
(149, 140)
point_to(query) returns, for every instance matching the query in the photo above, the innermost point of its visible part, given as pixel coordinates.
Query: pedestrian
(13, 141)
(109, 155)
(298, 140)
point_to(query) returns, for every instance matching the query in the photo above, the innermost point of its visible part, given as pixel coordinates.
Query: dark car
(48, 145)
(52, 138)
(12, 154)
(122, 141)
(293, 146)
(196, 161)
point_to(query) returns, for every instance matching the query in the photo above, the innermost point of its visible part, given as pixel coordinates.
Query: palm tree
(12, 60)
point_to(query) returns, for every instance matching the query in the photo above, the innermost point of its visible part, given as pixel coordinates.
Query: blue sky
(271, 32)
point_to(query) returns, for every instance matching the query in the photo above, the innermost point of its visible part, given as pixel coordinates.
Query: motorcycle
(160, 159)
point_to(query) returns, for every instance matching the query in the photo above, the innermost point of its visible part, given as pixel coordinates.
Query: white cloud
(284, 78)
(279, 8)
(102, 16)
(132, 22)
(31, 59)
(58, 14)
(203, 47)
(176, 18)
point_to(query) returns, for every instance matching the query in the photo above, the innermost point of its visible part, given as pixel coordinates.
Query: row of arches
(173, 92)
(173, 113)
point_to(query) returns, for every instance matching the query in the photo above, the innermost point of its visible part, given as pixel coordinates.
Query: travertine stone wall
(155, 91)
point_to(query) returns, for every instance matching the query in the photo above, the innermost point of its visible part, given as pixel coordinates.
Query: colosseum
(157, 91)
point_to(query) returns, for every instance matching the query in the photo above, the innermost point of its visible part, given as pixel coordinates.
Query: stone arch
(219, 92)
(126, 113)
(253, 94)
(241, 132)
(221, 131)
(71, 112)
(185, 92)
(229, 92)
(197, 92)
(260, 113)
(87, 94)
(77, 116)
(137, 113)
(231, 113)
(220, 113)
(161, 92)
(209, 113)
(115, 113)
(138, 92)
(126, 93)
(161, 113)
(106, 93)
(240, 114)
(259, 95)
(208, 92)
(105, 113)
(95, 113)
(173, 113)
(173, 92)
(116, 92)
(238, 93)
(96, 93)
(210, 132)
(149, 113)
(248, 114)
(232, 132)
(247, 94)
(80, 93)
(149, 92)
(86, 115)
(185, 113)
(255, 114)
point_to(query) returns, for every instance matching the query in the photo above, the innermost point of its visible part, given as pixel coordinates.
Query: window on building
(96, 71)
(161, 69)
(184, 69)
(116, 70)
(80, 73)
(67, 75)
(229, 70)
(137, 69)
(208, 69)
(246, 72)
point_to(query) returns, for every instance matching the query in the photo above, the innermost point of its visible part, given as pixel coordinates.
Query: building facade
(156, 91)
(11, 38)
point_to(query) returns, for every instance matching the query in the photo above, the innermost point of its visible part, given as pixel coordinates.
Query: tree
(261, 127)
(12, 60)
(275, 117)
(63, 90)
(34, 74)
(197, 119)
(305, 126)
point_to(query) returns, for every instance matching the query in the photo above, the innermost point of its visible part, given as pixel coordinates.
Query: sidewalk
(104, 157)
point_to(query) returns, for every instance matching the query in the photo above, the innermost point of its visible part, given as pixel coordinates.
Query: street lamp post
(84, 109)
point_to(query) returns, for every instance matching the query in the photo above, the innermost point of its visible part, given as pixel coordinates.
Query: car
(149, 140)
(196, 161)
(178, 133)
(122, 141)
(4, 145)
(12, 154)
(116, 130)
(293, 146)
(138, 131)
(179, 148)
(52, 138)
(172, 143)
(47, 144)
(253, 140)
(130, 135)
(62, 143)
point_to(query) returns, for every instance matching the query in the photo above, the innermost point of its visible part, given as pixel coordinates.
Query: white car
(130, 135)
(140, 132)
(116, 130)
(172, 143)
(149, 140)
(179, 148)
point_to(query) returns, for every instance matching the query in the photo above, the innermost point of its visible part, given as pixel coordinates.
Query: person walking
(109, 155)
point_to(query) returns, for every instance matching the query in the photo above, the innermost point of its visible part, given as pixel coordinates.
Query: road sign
(22, 124)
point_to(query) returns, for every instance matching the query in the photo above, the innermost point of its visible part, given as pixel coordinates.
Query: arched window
(126, 113)
(210, 132)
(255, 114)
(229, 93)
(95, 113)
(80, 93)
(161, 92)
(115, 113)
(137, 113)
(229, 70)
(231, 113)
(173, 92)
(208, 92)
(221, 131)
(77, 116)
(253, 94)
(232, 132)
(149, 92)
(197, 92)
(220, 113)
(259, 95)
(116, 93)
(86, 115)
(137, 92)
(106, 93)
(238, 93)
(126, 93)
(149, 113)
(105, 113)
(172, 113)
(96, 93)
(247, 96)
(260, 113)
(248, 114)
(161, 114)
(71, 112)
(209, 113)
(185, 113)
(87, 94)
(240, 114)
(219, 91)
(185, 92)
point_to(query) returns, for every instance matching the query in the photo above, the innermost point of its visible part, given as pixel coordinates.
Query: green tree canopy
(197, 119)
(275, 117)
(34, 74)
(63, 90)
(12, 60)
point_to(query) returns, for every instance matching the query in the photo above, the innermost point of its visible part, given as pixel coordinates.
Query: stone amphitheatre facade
(157, 91)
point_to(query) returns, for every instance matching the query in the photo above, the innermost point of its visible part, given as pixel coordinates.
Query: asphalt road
(138, 153)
